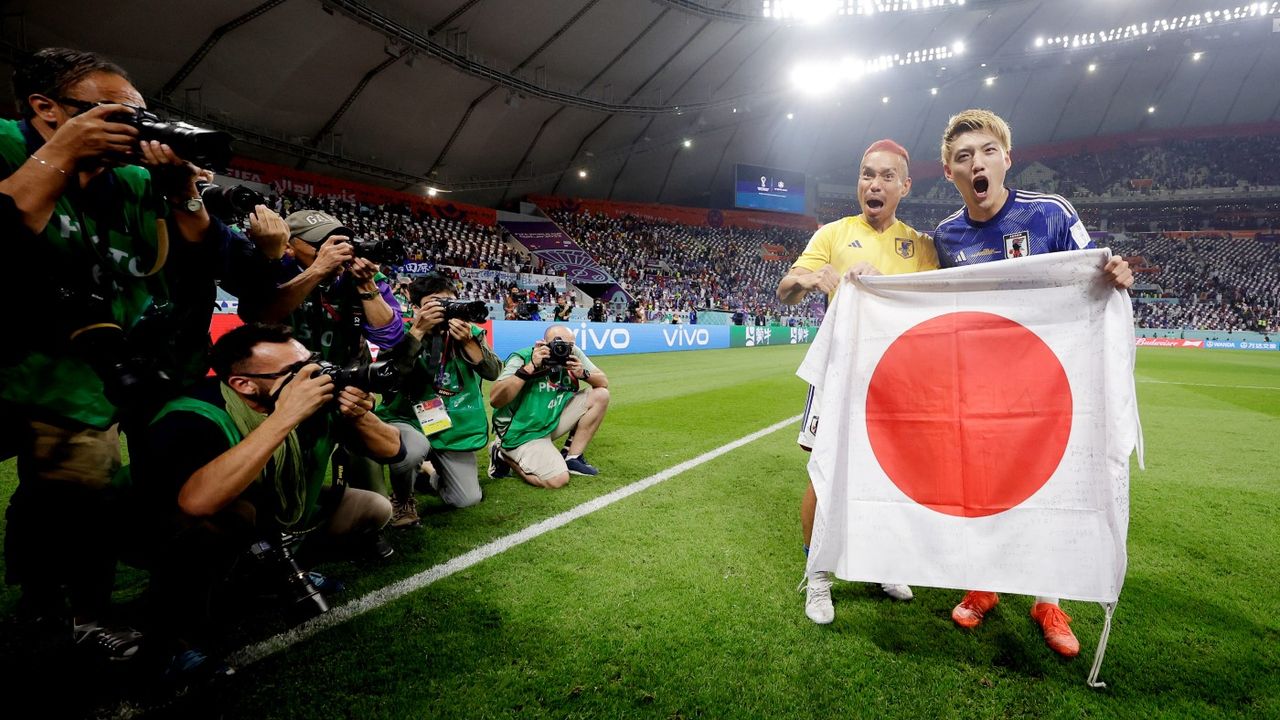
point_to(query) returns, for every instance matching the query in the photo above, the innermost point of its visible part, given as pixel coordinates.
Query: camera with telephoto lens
(279, 574)
(560, 352)
(384, 251)
(475, 311)
(230, 203)
(210, 149)
(375, 377)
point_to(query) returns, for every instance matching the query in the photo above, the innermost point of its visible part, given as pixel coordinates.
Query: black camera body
(475, 311)
(560, 352)
(210, 149)
(230, 203)
(384, 251)
(129, 362)
(376, 377)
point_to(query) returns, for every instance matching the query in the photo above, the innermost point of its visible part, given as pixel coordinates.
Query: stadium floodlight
(687, 143)
(791, 116)
(1093, 67)
(1039, 42)
(813, 78)
(432, 192)
(957, 47)
(582, 173)
(735, 109)
(1164, 25)
(885, 100)
(1195, 57)
(989, 80)
(818, 77)
(1151, 109)
(933, 91)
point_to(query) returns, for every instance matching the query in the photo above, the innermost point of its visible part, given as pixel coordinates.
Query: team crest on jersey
(1017, 244)
(906, 247)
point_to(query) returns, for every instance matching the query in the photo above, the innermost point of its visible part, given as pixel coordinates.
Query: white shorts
(809, 421)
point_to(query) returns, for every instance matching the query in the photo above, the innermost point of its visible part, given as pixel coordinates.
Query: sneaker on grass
(498, 467)
(578, 465)
(115, 644)
(897, 591)
(817, 599)
(404, 512)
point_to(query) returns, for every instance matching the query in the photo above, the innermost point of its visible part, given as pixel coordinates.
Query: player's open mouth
(874, 203)
(980, 185)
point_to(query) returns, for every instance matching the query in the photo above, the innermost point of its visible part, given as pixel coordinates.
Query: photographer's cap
(313, 226)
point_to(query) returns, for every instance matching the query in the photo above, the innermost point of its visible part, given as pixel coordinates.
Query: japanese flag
(976, 427)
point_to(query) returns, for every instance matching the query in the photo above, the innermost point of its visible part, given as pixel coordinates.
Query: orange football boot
(976, 603)
(1057, 631)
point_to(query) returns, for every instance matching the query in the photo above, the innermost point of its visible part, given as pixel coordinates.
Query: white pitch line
(1236, 387)
(376, 599)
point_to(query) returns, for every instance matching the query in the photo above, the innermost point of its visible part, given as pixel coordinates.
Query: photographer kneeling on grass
(546, 392)
(241, 459)
(439, 408)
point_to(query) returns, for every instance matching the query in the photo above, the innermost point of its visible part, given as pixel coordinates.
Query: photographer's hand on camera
(377, 311)
(269, 232)
(426, 320)
(541, 351)
(83, 143)
(303, 396)
(332, 257)
(460, 331)
(354, 403)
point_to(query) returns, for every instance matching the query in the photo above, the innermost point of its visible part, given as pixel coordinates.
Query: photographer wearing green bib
(546, 392)
(439, 409)
(104, 213)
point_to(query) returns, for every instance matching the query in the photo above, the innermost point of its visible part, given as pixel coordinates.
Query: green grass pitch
(681, 601)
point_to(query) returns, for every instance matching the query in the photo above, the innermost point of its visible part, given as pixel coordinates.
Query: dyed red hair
(890, 146)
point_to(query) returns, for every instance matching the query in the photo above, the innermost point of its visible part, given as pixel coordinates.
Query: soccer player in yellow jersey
(875, 242)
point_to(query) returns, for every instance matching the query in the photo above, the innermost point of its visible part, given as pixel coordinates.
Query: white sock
(1043, 599)
(572, 457)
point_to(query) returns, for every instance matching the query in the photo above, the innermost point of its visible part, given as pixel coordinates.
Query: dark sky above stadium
(657, 99)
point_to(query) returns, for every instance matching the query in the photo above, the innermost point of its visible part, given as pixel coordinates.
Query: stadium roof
(493, 99)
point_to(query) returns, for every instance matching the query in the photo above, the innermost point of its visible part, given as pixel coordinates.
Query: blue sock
(806, 550)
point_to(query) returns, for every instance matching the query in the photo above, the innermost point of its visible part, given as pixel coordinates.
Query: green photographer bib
(117, 244)
(535, 411)
(460, 391)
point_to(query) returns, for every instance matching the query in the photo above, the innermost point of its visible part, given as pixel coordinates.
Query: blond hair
(971, 120)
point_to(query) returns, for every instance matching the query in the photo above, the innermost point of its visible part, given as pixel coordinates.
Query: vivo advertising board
(612, 338)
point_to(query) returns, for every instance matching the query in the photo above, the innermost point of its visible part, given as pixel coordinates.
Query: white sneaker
(897, 592)
(817, 601)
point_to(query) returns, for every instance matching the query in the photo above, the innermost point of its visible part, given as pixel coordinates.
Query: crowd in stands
(672, 270)
(1144, 169)
(1219, 283)
(427, 238)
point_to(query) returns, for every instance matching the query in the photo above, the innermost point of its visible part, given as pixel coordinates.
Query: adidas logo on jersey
(959, 257)
(856, 243)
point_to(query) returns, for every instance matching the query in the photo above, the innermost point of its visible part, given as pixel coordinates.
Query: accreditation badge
(432, 416)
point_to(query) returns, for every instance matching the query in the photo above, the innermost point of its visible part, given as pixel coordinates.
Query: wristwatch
(585, 373)
(191, 204)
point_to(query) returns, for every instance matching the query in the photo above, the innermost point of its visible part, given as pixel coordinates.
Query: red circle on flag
(969, 413)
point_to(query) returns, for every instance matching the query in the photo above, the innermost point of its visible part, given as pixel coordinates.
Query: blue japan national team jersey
(1028, 224)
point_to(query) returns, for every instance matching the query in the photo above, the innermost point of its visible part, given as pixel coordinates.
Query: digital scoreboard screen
(763, 188)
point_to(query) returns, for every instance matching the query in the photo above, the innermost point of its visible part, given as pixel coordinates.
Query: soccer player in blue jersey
(998, 223)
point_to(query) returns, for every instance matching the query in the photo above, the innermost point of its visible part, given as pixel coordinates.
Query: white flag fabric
(975, 428)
